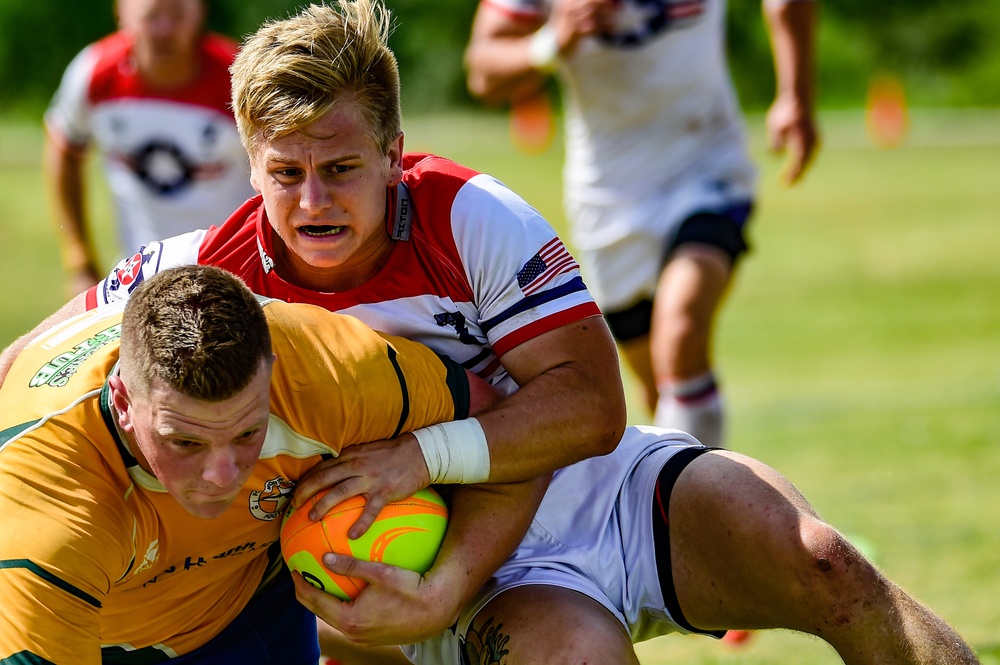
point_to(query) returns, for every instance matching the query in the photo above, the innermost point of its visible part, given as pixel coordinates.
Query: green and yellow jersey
(93, 551)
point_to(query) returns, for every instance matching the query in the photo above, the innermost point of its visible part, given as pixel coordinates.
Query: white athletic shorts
(592, 513)
(621, 245)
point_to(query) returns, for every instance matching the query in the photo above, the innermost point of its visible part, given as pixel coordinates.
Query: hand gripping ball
(407, 533)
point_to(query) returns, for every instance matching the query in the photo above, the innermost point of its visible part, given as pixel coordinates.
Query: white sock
(693, 406)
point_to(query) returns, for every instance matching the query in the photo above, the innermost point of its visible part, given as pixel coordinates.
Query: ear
(121, 402)
(395, 159)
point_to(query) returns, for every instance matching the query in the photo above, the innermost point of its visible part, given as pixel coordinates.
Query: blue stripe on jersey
(575, 285)
(51, 579)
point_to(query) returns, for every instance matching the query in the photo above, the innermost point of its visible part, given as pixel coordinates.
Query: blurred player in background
(154, 98)
(658, 182)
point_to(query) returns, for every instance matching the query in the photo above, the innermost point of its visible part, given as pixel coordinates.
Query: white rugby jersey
(173, 159)
(474, 272)
(650, 105)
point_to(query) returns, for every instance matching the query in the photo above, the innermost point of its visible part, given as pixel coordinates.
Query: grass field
(860, 349)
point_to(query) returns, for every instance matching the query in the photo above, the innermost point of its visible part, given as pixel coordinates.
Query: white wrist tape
(543, 49)
(455, 452)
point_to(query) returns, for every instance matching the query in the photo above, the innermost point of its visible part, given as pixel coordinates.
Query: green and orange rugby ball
(407, 533)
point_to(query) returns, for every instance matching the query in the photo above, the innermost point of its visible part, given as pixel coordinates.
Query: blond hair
(291, 72)
(199, 329)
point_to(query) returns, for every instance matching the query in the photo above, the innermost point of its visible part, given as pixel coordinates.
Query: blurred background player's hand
(791, 129)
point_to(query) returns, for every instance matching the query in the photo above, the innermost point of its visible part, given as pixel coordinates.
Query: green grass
(859, 348)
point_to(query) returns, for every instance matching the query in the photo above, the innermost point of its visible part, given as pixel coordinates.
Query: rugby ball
(407, 533)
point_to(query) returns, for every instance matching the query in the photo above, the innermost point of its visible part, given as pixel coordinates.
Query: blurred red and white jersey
(173, 159)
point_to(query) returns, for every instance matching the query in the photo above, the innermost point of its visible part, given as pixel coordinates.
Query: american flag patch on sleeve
(551, 260)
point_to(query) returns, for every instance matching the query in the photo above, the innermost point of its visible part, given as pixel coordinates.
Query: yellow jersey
(93, 551)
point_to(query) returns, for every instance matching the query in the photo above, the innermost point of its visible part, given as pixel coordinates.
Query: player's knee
(675, 327)
(833, 564)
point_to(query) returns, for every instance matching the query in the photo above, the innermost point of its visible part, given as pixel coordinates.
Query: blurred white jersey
(651, 104)
(654, 135)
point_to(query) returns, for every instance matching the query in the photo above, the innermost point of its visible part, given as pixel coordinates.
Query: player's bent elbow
(607, 427)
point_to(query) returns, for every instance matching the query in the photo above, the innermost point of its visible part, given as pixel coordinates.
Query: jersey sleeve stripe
(91, 297)
(405, 411)
(50, 578)
(534, 301)
(458, 385)
(541, 326)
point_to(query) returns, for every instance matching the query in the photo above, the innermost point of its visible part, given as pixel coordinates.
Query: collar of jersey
(108, 413)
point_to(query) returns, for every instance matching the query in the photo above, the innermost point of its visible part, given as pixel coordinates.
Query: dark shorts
(273, 629)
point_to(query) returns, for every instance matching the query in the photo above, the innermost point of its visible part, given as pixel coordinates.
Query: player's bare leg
(691, 287)
(547, 625)
(636, 354)
(748, 552)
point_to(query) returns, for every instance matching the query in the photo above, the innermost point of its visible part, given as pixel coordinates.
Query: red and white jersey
(474, 271)
(650, 104)
(173, 158)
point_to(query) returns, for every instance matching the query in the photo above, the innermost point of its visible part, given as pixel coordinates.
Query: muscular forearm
(486, 523)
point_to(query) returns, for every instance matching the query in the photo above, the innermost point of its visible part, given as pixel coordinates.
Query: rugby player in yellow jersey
(147, 452)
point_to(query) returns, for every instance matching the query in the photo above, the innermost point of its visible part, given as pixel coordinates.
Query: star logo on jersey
(639, 21)
(269, 503)
(128, 273)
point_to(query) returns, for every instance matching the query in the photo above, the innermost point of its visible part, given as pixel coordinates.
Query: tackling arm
(486, 523)
(570, 406)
